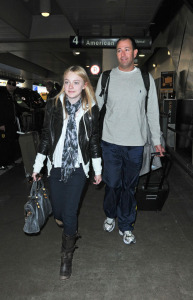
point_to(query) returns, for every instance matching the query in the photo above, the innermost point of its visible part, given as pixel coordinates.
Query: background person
(52, 92)
(70, 136)
(124, 135)
(9, 111)
(57, 87)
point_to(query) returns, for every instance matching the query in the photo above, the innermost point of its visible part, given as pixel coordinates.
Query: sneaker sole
(113, 227)
(127, 243)
(62, 277)
(133, 242)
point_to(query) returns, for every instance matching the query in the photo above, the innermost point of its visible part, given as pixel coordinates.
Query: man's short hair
(11, 82)
(123, 38)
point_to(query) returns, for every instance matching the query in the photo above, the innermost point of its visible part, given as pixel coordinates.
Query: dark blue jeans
(66, 197)
(122, 165)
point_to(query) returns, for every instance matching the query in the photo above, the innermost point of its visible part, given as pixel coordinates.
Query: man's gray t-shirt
(125, 119)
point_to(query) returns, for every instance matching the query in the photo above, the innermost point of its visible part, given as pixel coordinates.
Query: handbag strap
(36, 185)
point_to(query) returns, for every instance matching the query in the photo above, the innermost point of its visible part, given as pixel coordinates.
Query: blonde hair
(87, 95)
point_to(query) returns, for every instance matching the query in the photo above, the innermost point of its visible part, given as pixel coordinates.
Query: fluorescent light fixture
(141, 55)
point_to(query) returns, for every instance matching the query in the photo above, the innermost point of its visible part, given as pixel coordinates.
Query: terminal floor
(158, 267)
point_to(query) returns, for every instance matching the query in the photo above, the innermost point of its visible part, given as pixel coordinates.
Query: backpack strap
(105, 84)
(146, 80)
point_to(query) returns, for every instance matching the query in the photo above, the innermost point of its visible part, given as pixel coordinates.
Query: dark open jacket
(52, 129)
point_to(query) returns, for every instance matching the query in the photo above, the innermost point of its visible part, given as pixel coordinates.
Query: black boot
(68, 247)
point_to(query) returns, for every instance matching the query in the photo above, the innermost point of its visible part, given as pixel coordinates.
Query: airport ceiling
(37, 48)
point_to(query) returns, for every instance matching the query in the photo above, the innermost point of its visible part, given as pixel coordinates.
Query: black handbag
(37, 209)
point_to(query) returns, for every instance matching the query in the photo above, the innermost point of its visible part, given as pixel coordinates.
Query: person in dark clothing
(58, 87)
(9, 109)
(52, 92)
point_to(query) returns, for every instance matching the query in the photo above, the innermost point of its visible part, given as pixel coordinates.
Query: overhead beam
(16, 15)
(33, 45)
(19, 63)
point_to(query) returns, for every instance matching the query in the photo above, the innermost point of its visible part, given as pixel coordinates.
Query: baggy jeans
(122, 165)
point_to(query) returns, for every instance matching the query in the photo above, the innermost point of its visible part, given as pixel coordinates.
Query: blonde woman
(70, 138)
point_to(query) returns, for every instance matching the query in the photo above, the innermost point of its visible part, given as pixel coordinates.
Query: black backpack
(104, 91)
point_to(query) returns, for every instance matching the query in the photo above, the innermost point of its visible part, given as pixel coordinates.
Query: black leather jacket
(53, 123)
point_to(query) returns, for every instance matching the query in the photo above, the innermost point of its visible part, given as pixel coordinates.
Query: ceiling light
(45, 14)
(154, 65)
(45, 8)
(141, 55)
(76, 52)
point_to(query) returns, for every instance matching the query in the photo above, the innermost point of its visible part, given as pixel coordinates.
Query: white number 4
(75, 40)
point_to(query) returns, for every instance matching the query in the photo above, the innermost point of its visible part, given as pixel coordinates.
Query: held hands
(160, 149)
(98, 179)
(35, 176)
(2, 127)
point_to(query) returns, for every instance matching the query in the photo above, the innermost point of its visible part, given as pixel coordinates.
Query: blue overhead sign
(105, 42)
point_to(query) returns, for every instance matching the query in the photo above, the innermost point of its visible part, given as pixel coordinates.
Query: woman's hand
(35, 176)
(98, 179)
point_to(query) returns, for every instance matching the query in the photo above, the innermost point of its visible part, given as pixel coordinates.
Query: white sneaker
(128, 237)
(109, 224)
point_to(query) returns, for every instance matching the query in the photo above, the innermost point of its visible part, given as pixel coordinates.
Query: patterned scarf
(70, 150)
